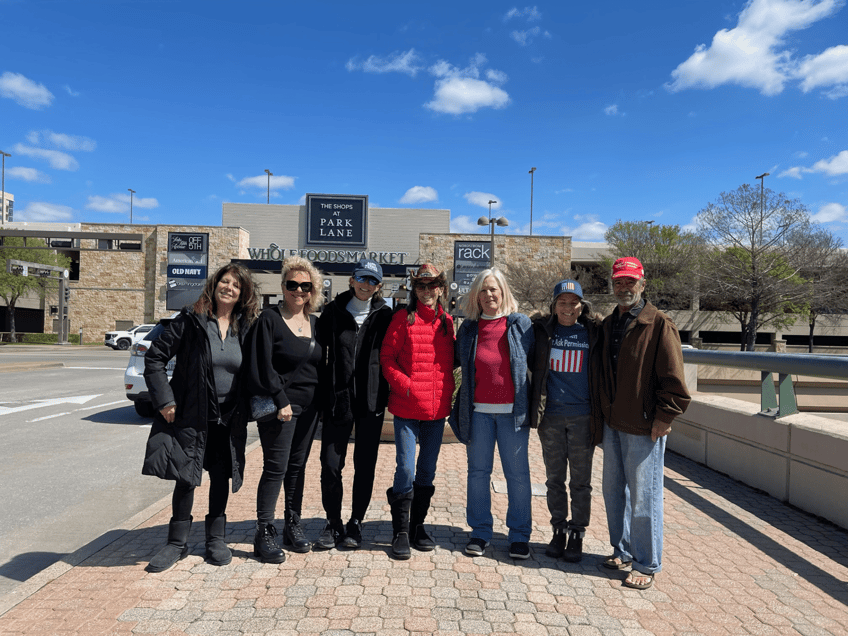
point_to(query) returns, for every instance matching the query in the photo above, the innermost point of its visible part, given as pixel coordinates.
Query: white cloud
(261, 182)
(829, 68)
(456, 96)
(46, 212)
(119, 203)
(611, 110)
(24, 91)
(525, 37)
(407, 62)
(56, 159)
(528, 13)
(588, 231)
(833, 167)
(61, 140)
(27, 174)
(466, 225)
(498, 77)
(754, 53)
(482, 199)
(420, 194)
(71, 92)
(831, 212)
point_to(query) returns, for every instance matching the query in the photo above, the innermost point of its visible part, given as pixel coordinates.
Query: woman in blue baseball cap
(564, 405)
(351, 329)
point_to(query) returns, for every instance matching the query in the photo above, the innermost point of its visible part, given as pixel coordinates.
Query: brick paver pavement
(736, 561)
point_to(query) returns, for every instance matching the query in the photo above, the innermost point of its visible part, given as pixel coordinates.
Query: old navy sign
(333, 219)
(186, 271)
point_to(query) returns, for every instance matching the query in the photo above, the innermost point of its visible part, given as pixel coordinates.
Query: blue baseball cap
(367, 267)
(568, 286)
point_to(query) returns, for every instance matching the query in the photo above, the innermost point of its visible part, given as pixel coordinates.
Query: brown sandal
(630, 581)
(615, 563)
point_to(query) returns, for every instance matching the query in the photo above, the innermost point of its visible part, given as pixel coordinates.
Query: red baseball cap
(629, 267)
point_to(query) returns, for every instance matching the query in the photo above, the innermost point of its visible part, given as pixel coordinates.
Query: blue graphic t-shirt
(568, 372)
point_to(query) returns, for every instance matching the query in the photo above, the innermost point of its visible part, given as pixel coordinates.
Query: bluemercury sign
(276, 253)
(336, 219)
(469, 259)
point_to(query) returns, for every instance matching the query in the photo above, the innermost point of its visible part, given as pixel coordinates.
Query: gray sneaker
(476, 547)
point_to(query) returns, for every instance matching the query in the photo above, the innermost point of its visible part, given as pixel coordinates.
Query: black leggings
(216, 460)
(285, 450)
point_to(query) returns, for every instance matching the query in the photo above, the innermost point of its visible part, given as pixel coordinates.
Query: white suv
(123, 340)
(134, 375)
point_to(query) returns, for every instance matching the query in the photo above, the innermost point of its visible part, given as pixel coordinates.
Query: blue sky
(634, 111)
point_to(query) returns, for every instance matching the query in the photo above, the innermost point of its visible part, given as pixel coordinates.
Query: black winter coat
(175, 450)
(352, 381)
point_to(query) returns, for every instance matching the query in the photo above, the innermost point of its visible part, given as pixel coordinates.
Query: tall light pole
(132, 192)
(490, 208)
(3, 189)
(762, 179)
(270, 174)
(502, 221)
(532, 170)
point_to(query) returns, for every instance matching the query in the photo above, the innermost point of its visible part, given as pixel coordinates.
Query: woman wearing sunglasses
(284, 362)
(417, 359)
(351, 331)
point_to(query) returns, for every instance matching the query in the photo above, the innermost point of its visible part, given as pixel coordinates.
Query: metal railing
(784, 364)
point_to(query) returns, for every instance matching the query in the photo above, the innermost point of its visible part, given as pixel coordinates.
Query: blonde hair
(471, 300)
(300, 264)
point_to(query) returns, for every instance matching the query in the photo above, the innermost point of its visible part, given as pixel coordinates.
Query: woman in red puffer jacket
(417, 360)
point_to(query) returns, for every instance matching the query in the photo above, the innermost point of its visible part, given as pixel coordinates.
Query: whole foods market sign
(276, 253)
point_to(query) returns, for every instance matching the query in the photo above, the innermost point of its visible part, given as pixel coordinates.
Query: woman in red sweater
(417, 361)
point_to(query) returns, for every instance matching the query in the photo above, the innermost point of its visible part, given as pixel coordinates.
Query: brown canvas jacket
(650, 383)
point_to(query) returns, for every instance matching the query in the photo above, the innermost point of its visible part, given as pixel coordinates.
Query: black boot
(265, 545)
(217, 552)
(331, 536)
(176, 549)
(421, 496)
(293, 535)
(400, 524)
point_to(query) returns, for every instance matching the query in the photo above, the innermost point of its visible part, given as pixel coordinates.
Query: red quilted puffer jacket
(417, 361)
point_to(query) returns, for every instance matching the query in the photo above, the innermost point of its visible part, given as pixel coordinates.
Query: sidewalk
(735, 562)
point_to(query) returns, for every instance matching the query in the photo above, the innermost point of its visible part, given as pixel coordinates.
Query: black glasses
(293, 285)
(366, 279)
(427, 285)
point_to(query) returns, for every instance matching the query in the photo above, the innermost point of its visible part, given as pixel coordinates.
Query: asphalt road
(71, 449)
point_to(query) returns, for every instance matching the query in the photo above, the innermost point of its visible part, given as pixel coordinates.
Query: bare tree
(758, 240)
(825, 270)
(670, 256)
(533, 284)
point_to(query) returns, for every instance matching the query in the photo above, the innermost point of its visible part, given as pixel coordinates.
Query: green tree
(670, 256)
(758, 240)
(13, 286)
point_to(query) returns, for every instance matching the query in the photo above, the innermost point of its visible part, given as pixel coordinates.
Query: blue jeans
(486, 429)
(429, 435)
(633, 494)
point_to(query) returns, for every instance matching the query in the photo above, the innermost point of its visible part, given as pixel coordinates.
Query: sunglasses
(427, 285)
(293, 285)
(366, 279)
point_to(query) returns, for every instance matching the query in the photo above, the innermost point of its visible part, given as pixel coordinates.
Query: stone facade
(117, 285)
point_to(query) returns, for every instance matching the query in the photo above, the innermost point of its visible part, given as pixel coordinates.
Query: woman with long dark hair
(417, 360)
(202, 413)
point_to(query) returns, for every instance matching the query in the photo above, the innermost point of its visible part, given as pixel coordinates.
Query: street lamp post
(132, 192)
(762, 179)
(490, 208)
(502, 221)
(532, 170)
(3, 189)
(270, 174)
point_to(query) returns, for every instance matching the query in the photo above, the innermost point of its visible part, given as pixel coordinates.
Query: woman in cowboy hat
(417, 360)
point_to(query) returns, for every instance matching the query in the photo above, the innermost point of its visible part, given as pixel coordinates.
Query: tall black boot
(177, 548)
(265, 545)
(400, 523)
(217, 552)
(294, 537)
(421, 496)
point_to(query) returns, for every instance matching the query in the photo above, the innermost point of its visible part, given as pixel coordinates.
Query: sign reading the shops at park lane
(336, 219)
